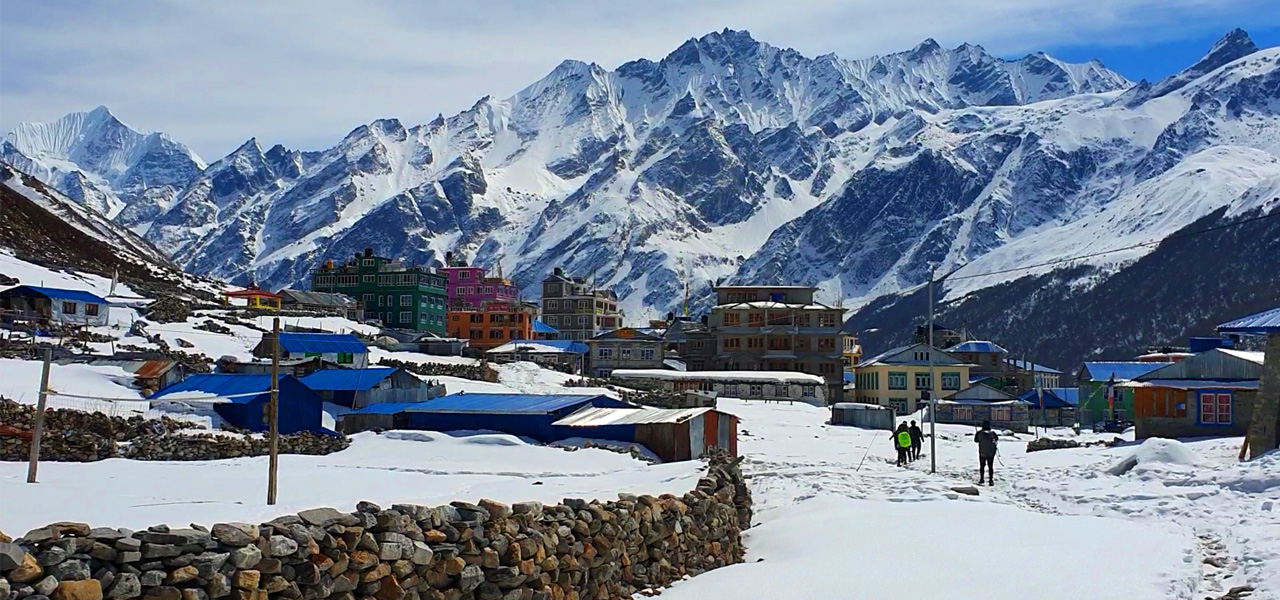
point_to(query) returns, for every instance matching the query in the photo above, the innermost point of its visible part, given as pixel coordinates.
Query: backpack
(904, 439)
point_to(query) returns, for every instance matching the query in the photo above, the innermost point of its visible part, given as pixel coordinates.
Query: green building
(399, 296)
(1092, 380)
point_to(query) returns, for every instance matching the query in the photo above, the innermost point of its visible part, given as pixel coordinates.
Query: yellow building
(896, 378)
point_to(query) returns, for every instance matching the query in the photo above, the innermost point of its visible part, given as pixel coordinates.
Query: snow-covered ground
(1055, 525)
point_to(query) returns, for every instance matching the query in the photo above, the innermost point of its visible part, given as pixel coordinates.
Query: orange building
(492, 325)
(252, 297)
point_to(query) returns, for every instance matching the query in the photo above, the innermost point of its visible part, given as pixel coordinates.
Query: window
(1215, 409)
(90, 310)
(755, 342)
(552, 320)
(69, 308)
(827, 368)
(803, 321)
(553, 304)
(345, 358)
(922, 381)
(604, 353)
(802, 343)
(950, 381)
(899, 405)
(808, 391)
(756, 390)
(582, 320)
(962, 413)
(406, 317)
(476, 318)
(369, 299)
(826, 343)
(474, 334)
(732, 343)
(755, 319)
(488, 289)
(625, 354)
(1001, 413)
(368, 279)
(920, 356)
(464, 275)
(897, 380)
(779, 343)
(406, 300)
(646, 354)
(495, 334)
(731, 319)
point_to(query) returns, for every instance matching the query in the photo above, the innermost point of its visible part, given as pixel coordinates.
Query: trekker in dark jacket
(902, 443)
(917, 439)
(986, 440)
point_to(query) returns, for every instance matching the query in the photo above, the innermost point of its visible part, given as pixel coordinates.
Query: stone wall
(576, 550)
(80, 436)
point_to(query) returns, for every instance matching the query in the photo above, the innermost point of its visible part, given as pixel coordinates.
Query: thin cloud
(213, 74)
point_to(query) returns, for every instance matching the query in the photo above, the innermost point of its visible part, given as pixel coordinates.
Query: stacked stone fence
(80, 436)
(575, 550)
(479, 372)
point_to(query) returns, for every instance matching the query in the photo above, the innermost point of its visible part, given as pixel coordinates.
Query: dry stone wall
(575, 550)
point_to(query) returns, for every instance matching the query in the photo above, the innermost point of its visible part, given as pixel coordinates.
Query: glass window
(732, 343)
(406, 317)
(826, 320)
(1001, 413)
(899, 405)
(604, 353)
(90, 310)
(756, 390)
(406, 300)
(69, 308)
(625, 354)
(646, 354)
(897, 380)
(922, 381)
(950, 381)
(962, 413)
(808, 391)
(755, 342)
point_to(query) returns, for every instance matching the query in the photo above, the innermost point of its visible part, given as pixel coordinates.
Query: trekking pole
(864, 456)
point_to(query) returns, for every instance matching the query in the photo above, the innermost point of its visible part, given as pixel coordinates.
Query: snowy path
(1055, 525)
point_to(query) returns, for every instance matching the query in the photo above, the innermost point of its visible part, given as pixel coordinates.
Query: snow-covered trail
(1055, 525)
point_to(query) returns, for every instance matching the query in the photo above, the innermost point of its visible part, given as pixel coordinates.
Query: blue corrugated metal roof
(221, 384)
(347, 379)
(1123, 370)
(540, 327)
(1053, 397)
(322, 343)
(61, 294)
(848, 377)
(1267, 321)
(1027, 365)
(502, 403)
(384, 409)
(977, 346)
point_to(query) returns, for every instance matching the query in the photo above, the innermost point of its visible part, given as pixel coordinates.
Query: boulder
(246, 557)
(11, 556)
(126, 586)
(88, 589)
(235, 534)
(322, 517)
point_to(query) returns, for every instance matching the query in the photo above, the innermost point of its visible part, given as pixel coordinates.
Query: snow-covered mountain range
(727, 160)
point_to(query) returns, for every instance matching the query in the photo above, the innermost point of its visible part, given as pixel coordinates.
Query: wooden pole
(38, 429)
(273, 412)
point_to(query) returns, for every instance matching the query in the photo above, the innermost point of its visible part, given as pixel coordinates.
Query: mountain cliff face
(728, 159)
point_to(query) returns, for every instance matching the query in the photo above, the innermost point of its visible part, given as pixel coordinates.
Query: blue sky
(1158, 59)
(306, 72)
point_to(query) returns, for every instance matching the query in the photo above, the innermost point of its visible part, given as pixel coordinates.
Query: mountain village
(381, 418)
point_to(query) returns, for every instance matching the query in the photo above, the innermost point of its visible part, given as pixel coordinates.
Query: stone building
(625, 348)
(780, 329)
(577, 311)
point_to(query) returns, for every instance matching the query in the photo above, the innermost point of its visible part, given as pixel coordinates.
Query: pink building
(469, 288)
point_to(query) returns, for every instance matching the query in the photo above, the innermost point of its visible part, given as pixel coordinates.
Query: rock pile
(78, 436)
(480, 372)
(168, 309)
(1051, 444)
(576, 550)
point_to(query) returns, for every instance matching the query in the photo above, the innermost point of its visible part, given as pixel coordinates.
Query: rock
(470, 578)
(71, 528)
(489, 559)
(219, 586)
(433, 536)
(152, 578)
(246, 557)
(235, 534)
(194, 594)
(128, 544)
(246, 579)
(11, 556)
(1051, 444)
(105, 534)
(181, 575)
(52, 556)
(153, 551)
(967, 490)
(129, 557)
(527, 508)
(103, 552)
(389, 590)
(72, 569)
(89, 589)
(268, 566)
(208, 563)
(126, 586)
(5, 587)
(496, 510)
(454, 565)
(280, 545)
(367, 507)
(177, 537)
(422, 553)
(46, 586)
(363, 559)
(164, 592)
(322, 517)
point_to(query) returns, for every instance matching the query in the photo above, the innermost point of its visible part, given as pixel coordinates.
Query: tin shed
(241, 400)
(866, 416)
(672, 434)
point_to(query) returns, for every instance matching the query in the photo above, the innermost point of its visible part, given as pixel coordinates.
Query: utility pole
(38, 430)
(273, 412)
(933, 405)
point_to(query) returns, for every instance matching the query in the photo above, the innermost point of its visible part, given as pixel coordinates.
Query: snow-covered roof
(1193, 384)
(771, 304)
(591, 416)
(760, 376)
(1253, 357)
(1267, 321)
(541, 347)
(859, 406)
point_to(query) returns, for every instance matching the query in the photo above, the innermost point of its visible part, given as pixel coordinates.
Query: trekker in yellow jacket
(902, 441)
